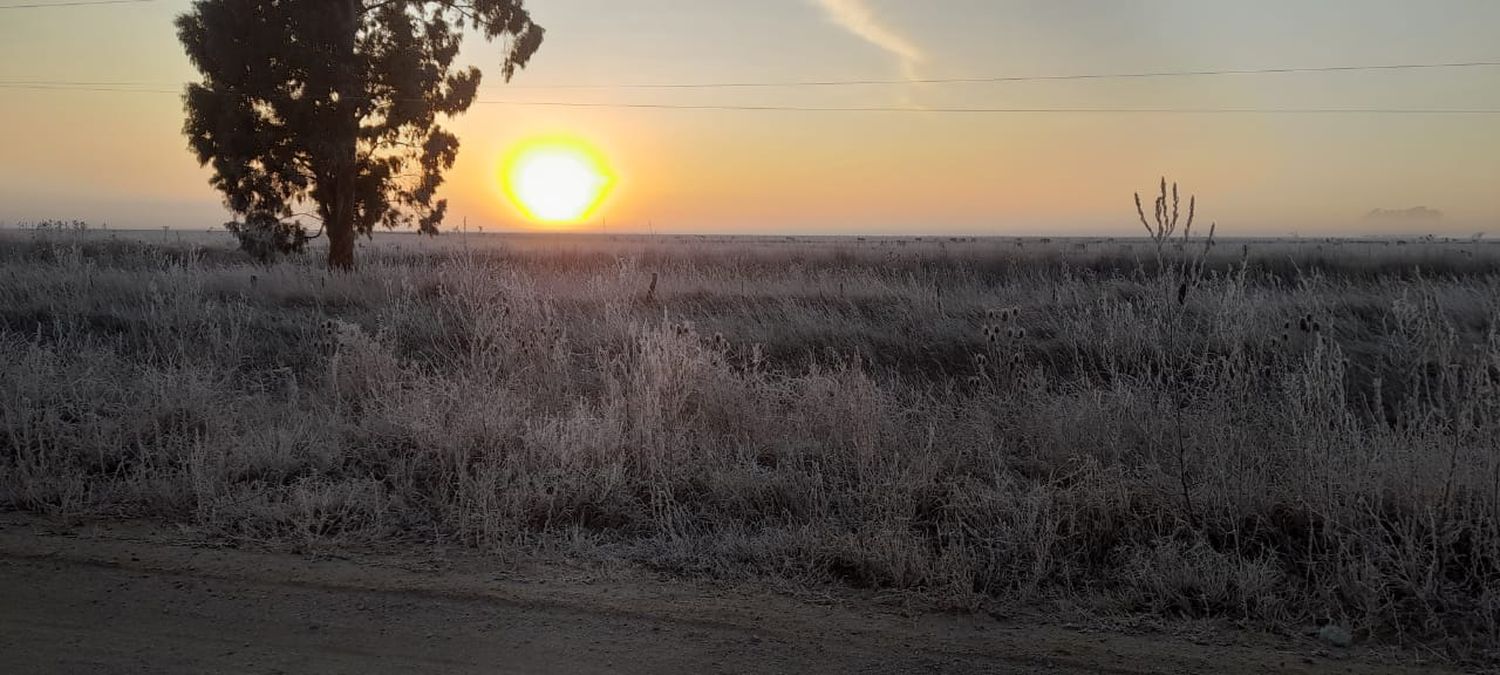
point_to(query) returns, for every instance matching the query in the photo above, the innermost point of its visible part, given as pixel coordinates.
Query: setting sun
(556, 180)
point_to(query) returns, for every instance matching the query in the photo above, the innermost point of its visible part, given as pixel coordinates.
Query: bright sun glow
(556, 180)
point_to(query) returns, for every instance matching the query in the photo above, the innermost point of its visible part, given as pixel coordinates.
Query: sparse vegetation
(263, 237)
(1306, 438)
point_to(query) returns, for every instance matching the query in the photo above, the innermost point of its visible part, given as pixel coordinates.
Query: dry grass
(1309, 436)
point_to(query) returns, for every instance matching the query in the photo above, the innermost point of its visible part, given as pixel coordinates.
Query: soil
(132, 597)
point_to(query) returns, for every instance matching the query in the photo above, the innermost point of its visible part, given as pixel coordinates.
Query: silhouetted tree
(336, 102)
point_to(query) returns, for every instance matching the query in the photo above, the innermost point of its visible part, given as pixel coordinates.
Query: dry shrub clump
(971, 422)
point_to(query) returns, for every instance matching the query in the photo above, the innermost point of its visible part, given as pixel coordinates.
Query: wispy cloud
(856, 17)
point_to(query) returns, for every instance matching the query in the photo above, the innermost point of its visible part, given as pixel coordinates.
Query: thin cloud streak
(856, 17)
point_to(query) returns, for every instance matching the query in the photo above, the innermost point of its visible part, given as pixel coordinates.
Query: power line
(148, 88)
(1021, 78)
(100, 87)
(988, 79)
(63, 84)
(914, 109)
(73, 3)
(893, 109)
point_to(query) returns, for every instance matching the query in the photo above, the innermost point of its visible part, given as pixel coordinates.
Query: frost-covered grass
(1311, 435)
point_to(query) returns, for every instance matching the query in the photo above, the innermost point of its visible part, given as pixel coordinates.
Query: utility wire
(915, 109)
(73, 3)
(64, 84)
(154, 88)
(1019, 78)
(122, 87)
(889, 109)
(990, 79)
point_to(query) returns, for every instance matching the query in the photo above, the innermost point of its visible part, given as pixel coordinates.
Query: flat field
(1278, 434)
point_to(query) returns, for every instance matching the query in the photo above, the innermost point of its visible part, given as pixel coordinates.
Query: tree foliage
(337, 103)
(265, 236)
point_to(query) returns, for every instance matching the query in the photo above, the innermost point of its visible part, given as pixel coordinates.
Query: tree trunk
(344, 137)
(341, 233)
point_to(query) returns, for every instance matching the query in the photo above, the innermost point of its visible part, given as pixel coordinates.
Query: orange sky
(120, 157)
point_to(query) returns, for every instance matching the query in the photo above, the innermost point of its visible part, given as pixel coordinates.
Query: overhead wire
(877, 109)
(996, 79)
(72, 3)
(158, 88)
(984, 79)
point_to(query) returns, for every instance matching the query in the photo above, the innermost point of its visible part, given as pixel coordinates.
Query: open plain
(1294, 440)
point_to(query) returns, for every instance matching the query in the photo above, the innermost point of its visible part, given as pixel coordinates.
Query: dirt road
(133, 598)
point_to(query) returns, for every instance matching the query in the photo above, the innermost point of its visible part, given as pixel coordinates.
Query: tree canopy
(336, 104)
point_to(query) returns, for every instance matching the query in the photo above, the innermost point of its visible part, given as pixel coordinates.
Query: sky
(119, 157)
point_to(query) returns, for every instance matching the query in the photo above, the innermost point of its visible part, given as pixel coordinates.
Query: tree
(336, 103)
